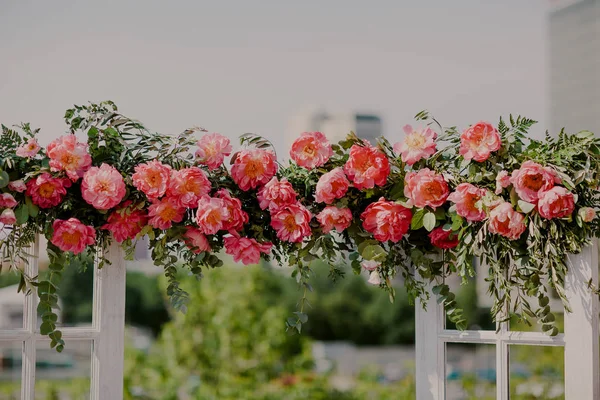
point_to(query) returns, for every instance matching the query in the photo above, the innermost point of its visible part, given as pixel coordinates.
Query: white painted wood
(109, 321)
(582, 371)
(502, 363)
(29, 327)
(490, 337)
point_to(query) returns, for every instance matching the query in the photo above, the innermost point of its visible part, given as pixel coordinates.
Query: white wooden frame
(580, 339)
(106, 333)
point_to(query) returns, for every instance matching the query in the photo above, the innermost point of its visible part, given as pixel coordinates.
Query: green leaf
(22, 214)
(525, 206)
(4, 179)
(417, 220)
(46, 328)
(429, 221)
(374, 252)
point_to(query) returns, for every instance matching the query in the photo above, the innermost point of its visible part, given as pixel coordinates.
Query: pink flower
(386, 220)
(502, 181)
(17, 186)
(29, 149)
(531, 179)
(468, 200)
(425, 188)
(292, 222)
(8, 217)
(331, 186)
(245, 249)
(103, 187)
(311, 150)
(276, 193)
(370, 265)
(126, 222)
(237, 217)
(152, 178)
(46, 191)
(333, 217)
(187, 186)
(443, 239)
(587, 214)
(374, 278)
(505, 221)
(196, 240)
(164, 212)
(478, 141)
(253, 168)
(7, 201)
(212, 150)
(71, 235)
(69, 155)
(417, 144)
(557, 202)
(212, 215)
(366, 167)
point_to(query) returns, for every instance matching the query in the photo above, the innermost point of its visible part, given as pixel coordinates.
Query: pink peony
(386, 220)
(8, 217)
(370, 265)
(478, 141)
(212, 215)
(212, 150)
(505, 221)
(417, 144)
(468, 200)
(275, 194)
(292, 222)
(502, 181)
(103, 187)
(253, 168)
(29, 149)
(69, 155)
(333, 217)
(187, 186)
(374, 278)
(46, 191)
(531, 179)
(164, 212)
(426, 188)
(587, 214)
(7, 201)
(237, 217)
(245, 249)
(126, 222)
(152, 178)
(366, 167)
(557, 202)
(443, 239)
(331, 186)
(311, 150)
(17, 186)
(196, 240)
(71, 235)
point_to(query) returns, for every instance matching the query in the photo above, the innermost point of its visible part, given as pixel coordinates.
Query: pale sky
(249, 66)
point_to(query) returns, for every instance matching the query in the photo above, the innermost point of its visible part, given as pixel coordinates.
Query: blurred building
(574, 65)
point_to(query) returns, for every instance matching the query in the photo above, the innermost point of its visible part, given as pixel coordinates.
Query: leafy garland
(422, 209)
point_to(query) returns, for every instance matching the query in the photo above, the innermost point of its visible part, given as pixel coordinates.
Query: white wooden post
(582, 371)
(30, 327)
(109, 320)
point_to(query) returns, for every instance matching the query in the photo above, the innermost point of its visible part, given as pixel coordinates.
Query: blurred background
(279, 68)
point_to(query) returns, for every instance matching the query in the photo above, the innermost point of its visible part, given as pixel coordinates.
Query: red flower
(443, 239)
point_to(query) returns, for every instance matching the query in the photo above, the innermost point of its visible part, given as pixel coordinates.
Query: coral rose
(502, 181)
(531, 179)
(292, 222)
(505, 221)
(245, 249)
(468, 200)
(126, 222)
(417, 144)
(72, 235)
(212, 150)
(103, 187)
(212, 215)
(187, 186)
(332, 217)
(386, 220)
(69, 155)
(237, 217)
(7, 201)
(426, 188)
(46, 191)
(196, 240)
(443, 239)
(17, 186)
(253, 168)
(478, 141)
(557, 202)
(331, 186)
(29, 149)
(164, 212)
(311, 150)
(275, 194)
(367, 167)
(587, 214)
(8, 217)
(152, 178)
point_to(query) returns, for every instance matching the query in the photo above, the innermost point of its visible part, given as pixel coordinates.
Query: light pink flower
(311, 150)
(8, 217)
(164, 212)
(245, 249)
(212, 149)
(29, 149)
(126, 222)
(587, 214)
(103, 187)
(502, 181)
(46, 191)
(478, 141)
(196, 240)
(333, 217)
(17, 186)
(374, 278)
(468, 200)
(237, 217)
(152, 178)
(370, 265)
(531, 179)
(505, 221)
(386, 220)
(276, 193)
(212, 215)
(72, 235)
(253, 168)
(367, 167)
(417, 144)
(187, 186)
(426, 188)
(7, 201)
(69, 155)
(556, 202)
(292, 222)
(331, 186)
